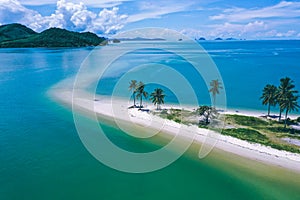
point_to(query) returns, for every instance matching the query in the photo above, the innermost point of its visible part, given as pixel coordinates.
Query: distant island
(19, 36)
(141, 39)
(218, 39)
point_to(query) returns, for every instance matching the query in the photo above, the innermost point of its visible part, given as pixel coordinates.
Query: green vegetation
(207, 112)
(262, 131)
(215, 87)
(246, 134)
(284, 96)
(158, 97)
(140, 90)
(132, 88)
(269, 96)
(14, 31)
(246, 120)
(18, 36)
(255, 136)
(173, 114)
(251, 129)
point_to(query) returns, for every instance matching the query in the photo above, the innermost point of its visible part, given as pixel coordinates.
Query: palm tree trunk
(141, 101)
(286, 113)
(280, 114)
(214, 97)
(269, 109)
(157, 107)
(133, 99)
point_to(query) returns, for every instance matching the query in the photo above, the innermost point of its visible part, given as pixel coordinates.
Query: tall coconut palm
(141, 93)
(215, 87)
(157, 97)
(132, 87)
(269, 96)
(286, 86)
(289, 103)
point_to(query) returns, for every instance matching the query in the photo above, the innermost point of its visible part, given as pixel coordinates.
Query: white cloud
(254, 26)
(150, 10)
(283, 9)
(265, 22)
(286, 34)
(240, 29)
(92, 3)
(109, 20)
(72, 16)
(192, 33)
(255, 29)
(12, 11)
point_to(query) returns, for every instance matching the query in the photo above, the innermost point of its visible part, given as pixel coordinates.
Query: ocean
(244, 66)
(42, 157)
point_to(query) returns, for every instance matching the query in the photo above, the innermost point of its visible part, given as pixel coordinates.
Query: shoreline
(110, 108)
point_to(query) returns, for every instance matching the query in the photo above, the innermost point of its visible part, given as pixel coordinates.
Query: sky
(241, 19)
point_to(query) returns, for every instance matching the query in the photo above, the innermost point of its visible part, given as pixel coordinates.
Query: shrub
(177, 120)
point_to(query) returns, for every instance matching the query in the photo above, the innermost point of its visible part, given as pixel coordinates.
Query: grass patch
(246, 134)
(255, 136)
(175, 115)
(247, 128)
(246, 120)
(284, 147)
(278, 129)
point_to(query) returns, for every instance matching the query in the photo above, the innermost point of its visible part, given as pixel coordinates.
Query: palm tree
(207, 112)
(286, 86)
(215, 86)
(132, 88)
(289, 103)
(157, 97)
(141, 93)
(269, 96)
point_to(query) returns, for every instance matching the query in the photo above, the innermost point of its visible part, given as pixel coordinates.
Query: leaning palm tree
(157, 97)
(141, 93)
(269, 96)
(289, 103)
(132, 88)
(286, 86)
(215, 86)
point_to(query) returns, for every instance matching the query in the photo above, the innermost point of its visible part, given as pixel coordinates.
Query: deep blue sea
(42, 157)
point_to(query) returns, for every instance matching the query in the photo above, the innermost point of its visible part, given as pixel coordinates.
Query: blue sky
(196, 18)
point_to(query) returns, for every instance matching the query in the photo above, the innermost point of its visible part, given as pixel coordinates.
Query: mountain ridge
(20, 36)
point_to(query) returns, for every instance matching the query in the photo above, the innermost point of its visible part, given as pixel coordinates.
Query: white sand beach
(117, 109)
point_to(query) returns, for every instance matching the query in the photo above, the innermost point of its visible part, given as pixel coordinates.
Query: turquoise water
(42, 157)
(245, 67)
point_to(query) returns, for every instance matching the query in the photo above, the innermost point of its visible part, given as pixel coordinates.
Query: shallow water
(42, 156)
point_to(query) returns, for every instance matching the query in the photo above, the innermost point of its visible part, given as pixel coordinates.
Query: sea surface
(42, 157)
(245, 67)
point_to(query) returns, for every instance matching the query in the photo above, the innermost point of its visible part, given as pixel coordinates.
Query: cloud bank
(71, 16)
(194, 18)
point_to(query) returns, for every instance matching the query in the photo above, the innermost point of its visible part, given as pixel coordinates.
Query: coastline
(106, 107)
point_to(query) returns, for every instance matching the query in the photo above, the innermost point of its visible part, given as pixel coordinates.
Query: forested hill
(18, 36)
